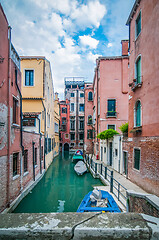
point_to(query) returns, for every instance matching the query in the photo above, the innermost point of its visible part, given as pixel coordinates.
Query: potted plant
(124, 129)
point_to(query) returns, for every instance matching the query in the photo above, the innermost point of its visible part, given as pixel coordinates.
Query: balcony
(136, 83)
(111, 114)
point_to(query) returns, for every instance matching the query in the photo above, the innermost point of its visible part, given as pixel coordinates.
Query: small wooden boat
(80, 168)
(77, 158)
(98, 201)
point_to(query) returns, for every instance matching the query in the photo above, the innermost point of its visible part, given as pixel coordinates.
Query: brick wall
(147, 177)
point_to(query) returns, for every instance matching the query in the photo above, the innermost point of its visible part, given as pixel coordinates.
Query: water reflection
(60, 190)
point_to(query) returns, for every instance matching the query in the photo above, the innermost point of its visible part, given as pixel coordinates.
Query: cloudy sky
(71, 34)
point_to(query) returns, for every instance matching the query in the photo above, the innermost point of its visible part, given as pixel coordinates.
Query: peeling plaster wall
(3, 125)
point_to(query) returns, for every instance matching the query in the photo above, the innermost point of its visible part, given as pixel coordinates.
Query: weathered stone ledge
(99, 226)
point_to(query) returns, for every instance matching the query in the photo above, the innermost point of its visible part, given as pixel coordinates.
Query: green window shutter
(138, 114)
(138, 70)
(137, 159)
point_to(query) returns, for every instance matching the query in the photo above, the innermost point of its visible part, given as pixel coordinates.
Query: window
(81, 136)
(63, 120)
(72, 136)
(112, 126)
(15, 102)
(111, 108)
(138, 25)
(15, 164)
(116, 152)
(137, 158)
(25, 161)
(90, 134)
(64, 110)
(72, 95)
(89, 119)
(29, 122)
(81, 125)
(29, 77)
(81, 107)
(49, 144)
(72, 124)
(137, 114)
(81, 94)
(72, 107)
(138, 70)
(90, 96)
(35, 156)
(56, 128)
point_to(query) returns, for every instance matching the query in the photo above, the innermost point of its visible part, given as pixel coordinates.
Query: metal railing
(115, 187)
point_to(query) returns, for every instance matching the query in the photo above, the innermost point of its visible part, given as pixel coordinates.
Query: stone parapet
(76, 226)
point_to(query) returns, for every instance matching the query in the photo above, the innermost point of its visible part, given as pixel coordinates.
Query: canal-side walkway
(116, 184)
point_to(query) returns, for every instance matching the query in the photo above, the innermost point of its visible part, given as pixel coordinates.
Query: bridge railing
(115, 186)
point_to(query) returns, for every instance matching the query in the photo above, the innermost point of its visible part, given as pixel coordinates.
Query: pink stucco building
(110, 103)
(141, 149)
(88, 120)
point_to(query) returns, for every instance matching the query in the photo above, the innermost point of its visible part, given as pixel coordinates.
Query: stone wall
(147, 177)
(143, 203)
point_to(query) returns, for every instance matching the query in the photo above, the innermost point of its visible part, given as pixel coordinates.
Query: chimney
(124, 47)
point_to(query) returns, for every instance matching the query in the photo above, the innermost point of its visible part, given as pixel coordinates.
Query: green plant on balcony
(124, 129)
(107, 134)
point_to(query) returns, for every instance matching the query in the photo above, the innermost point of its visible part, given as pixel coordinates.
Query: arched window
(137, 114)
(89, 119)
(90, 96)
(138, 70)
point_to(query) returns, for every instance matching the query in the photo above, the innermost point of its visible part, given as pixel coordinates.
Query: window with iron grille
(29, 77)
(25, 160)
(137, 154)
(29, 122)
(35, 156)
(15, 163)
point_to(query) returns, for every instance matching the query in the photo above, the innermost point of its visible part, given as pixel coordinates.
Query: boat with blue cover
(98, 201)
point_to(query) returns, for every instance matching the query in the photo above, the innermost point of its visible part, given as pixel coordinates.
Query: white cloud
(92, 57)
(88, 15)
(89, 41)
(109, 45)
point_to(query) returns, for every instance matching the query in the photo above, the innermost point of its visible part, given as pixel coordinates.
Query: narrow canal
(60, 190)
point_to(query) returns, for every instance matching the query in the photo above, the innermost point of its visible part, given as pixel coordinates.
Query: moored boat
(80, 168)
(98, 201)
(77, 158)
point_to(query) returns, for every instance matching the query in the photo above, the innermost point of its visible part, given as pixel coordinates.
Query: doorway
(110, 153)
(66, 147)
(125, 163)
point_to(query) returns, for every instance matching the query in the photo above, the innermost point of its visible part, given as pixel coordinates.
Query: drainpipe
(21, 131)
(40, 146)
(33, 143)
(9, 120)
(44, 134)
(119, 153)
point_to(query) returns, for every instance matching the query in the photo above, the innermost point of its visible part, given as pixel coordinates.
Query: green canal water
(60, 190)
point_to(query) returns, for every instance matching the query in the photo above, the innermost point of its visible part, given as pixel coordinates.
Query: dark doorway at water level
(66, 147)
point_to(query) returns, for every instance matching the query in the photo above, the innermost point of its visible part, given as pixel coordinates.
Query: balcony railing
(136, 83)
(111, 114)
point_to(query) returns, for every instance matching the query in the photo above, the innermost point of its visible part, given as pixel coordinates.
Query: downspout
(9, 120)
(44, 134)
(119, 153)
(33, 143)
(21, 131)
(40, 146)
